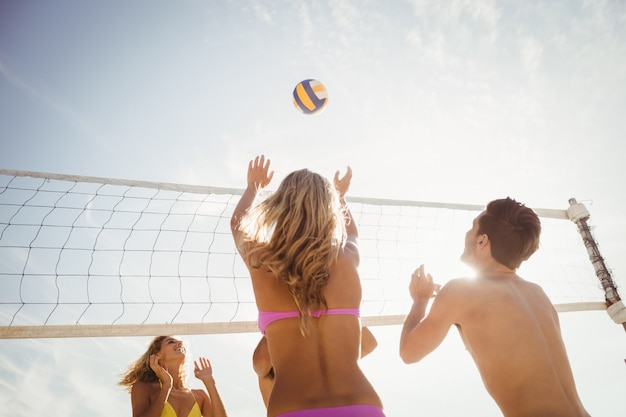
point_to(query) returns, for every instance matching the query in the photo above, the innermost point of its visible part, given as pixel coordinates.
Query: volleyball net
(89, 257)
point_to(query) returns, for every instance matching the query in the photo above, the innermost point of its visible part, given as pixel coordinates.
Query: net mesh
(85, 252)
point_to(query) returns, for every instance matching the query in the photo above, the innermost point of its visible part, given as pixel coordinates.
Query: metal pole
(578, 213)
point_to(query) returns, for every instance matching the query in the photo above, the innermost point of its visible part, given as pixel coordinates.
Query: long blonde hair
(140, 369)
(297, 233)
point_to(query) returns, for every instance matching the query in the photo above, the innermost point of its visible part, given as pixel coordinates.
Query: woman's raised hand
(202, 369)
(259, 174)
(343, 184)
(160, 371)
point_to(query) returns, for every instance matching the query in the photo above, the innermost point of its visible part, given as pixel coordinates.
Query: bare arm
(420, 335)
(368, 342)
(258, 177)
(212, 405)
(352, 232)
(140, 401)
(262, 365)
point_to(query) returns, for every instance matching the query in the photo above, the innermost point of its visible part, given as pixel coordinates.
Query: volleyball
(310, 96)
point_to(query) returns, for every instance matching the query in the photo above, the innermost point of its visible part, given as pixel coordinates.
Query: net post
(578, 213)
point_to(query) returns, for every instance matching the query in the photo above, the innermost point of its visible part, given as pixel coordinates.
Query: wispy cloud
(22, 376)
(345, 14)
(43, 96)
(52, 366)
(261, 11)
(306, 25)
(531, 54)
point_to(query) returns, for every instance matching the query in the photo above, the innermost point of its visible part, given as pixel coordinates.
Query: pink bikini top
(267, 317)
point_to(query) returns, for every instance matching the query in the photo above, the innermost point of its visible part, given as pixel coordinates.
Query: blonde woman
(300, 247)
(156, 382)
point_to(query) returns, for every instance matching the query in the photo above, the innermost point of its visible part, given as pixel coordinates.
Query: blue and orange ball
(310, 96)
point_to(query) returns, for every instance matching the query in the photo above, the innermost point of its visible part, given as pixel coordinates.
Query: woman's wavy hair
(140, 369)
(297, 233)
(513, 230)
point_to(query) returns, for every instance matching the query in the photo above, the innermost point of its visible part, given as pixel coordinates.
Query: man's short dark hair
(513, 231)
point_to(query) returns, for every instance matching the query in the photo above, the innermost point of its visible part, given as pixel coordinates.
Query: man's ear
(483, 239)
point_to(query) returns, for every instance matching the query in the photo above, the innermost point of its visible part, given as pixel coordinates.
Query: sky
(457, 101)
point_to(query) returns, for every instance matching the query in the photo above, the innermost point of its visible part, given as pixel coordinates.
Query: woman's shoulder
(148, 384)
(200, 396)
(349, 253)
(144, 387)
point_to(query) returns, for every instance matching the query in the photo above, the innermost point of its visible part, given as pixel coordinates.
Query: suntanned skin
(262, 363)
(509, 326)
(320, 369)
(149, 398)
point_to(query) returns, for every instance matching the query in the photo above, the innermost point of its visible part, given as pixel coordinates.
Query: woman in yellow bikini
(156, 382)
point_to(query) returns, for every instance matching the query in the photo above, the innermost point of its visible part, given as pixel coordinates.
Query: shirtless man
(508, 325)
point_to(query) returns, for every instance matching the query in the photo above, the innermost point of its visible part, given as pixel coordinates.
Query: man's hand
(422, 285)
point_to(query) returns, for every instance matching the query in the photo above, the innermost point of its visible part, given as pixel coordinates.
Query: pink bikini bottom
(345, 411)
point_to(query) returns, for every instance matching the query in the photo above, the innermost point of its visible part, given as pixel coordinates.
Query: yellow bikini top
(168, 411)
